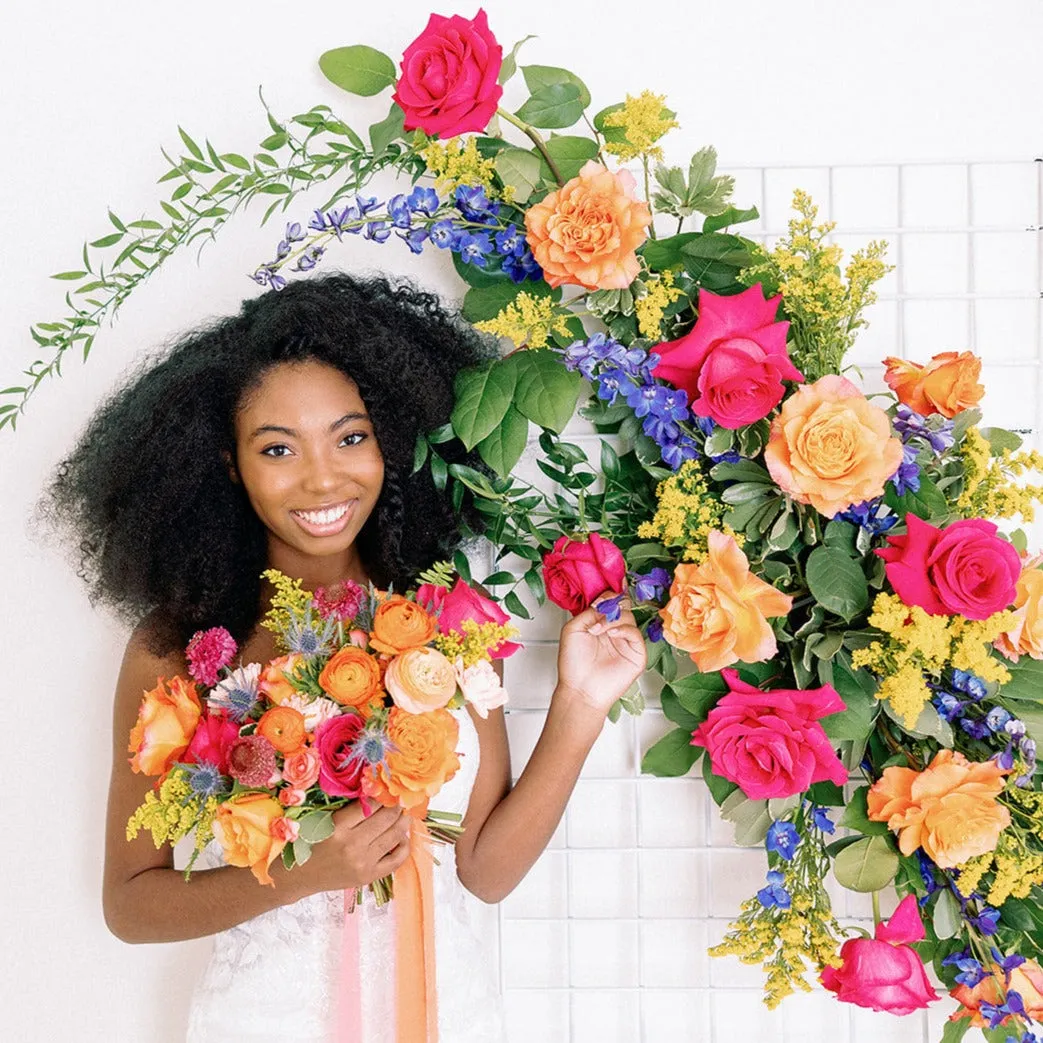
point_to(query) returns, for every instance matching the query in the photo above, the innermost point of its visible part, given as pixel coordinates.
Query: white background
(606, 940)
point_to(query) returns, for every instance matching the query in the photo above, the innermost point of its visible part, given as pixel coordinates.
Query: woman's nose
(321, 474)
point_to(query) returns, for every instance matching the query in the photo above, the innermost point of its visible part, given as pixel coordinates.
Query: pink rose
(358, 638)
(770, 744)
(292, 798)
(884, 973)
(480, 685)
(301, 769)
(733, 361)
(464, 602)
(964, 569)
(213, 737)
(340, 774)
(576, 571)
(449, 72)
(285, 829)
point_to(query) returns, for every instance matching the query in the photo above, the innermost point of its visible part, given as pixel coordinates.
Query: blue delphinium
(822, 820)
(610, 607)
(649, 586)
(473, 203)
(783, 839)
(424, 200)
(907, 477)
(774, 894)
(867, 516)
(473, 247)
(655, 629)
(909, 425)
(970, 971)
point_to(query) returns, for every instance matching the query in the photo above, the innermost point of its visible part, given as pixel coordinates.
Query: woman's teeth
(324, 517)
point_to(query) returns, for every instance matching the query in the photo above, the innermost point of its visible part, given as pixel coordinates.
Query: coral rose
(770, 744)
(463, 602)
(1026, 980)
(1025, 637)
(449, 77)
(399, 624)
(949, 809)
(576, 571)
(884, 973)
(283, 727)
(948, 384)
(733, 361)
(585, 233)
(965, 569)
(340, 768)
(212, 740)
(831, 447)
(247, 828)
(351, 677)
(421, 679)
(422, 760)
(275, 680)
(301, 769)
(167, 719)
(717, 610)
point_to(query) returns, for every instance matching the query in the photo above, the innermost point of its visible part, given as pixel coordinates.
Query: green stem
(876, 908)
(648, 195)
(537, 140)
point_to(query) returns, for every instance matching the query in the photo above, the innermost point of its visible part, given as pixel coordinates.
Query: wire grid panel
(605, 941)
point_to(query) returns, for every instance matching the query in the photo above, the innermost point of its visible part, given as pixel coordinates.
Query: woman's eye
(275, 450)
(354, 438)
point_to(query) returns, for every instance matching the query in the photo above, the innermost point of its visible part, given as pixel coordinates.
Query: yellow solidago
(476, 642)
(288, 601)
(171, 814)
(644, 120)
(824, 306)
(989, 486)
(686, 514)
(649, 309)
(457, 162)
(529, 319)
(1014, 869)
(917, 644)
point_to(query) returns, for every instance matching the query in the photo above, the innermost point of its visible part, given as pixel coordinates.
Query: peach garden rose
(247, 828)
(1025, 637)
(421, 679)
(947, 385)
(166, 722)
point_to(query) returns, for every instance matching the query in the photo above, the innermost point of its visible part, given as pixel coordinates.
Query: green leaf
(698, 694)
(462, 565)
(730, 216)
(482, 398)
(486, 302)
(316, 826)
(510, 66)
(837, 582)
(869, 864)
(520, 169)
(539, 76)
(190, 144)
(828, 794)
(1026, 680)
(389, 129)
(275, 141)
(68, 276)
(954, 1031)
(855, 722)
(515, 606)
(107, 240)
(751, 818)
(998, 438)
(720, 789)
(671, 756)
(420, 452)
(569, 154)
(927, 503)
(674, 711)
(856, 815)
(714, 246)
(742, 471)
(946, 919)
(553, 107)
(504, 445)
(358, 69)
(301, 851)
(545, 392)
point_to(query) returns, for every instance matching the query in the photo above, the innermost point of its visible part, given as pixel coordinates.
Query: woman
(283, 437)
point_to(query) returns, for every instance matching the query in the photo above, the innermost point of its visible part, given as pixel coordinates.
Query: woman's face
(308, 459)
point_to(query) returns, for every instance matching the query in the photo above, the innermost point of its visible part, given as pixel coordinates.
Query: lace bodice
(275, 977)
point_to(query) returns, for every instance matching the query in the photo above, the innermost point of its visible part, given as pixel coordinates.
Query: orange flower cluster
(948, 384)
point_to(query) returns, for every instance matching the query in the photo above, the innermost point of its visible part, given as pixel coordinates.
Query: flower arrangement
(259, 757)
(851, 651)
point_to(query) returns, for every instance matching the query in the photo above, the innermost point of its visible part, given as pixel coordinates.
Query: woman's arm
(506, 830)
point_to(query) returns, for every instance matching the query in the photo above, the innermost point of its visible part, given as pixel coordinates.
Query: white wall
(88, 93)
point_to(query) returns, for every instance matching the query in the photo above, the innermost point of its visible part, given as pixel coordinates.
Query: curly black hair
(163, 531)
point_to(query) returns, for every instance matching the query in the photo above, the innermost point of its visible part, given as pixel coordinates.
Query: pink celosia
(251, 761)
(209, 651)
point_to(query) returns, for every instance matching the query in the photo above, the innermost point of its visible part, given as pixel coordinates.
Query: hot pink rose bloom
(770, 744)
(884, 973)
(460, 603)
(964, 569)
(212, 740)
(575, 572)
(340, 775)
(449, 72)
(733, 361)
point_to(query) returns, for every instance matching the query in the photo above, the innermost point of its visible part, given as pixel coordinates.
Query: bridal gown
(276, 977)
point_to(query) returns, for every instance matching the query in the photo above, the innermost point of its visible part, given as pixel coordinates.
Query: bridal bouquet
(259, 756)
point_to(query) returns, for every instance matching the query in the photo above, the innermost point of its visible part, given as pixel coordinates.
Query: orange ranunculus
(351, 677)
(1026, 980)
(948, 384)
(717, 609)
(275, 678)
(585, 233)
(949, 809)
(399, 624)
(422, 760)
(283, 727)
(167, 719)
(831, 447)
(421, 679)
(243, 826)
(1026, 636)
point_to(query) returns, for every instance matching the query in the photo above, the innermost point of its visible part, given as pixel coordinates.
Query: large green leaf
(869, 864)
(316, 826)
(389, 129)
(502, 447)
(856, 721)
(856, 815)
(837, 582)
(546, 392)
(358, 69)
(520, 169)
(569, 154)
(673, 755)
(699, 693)
(731, 216)
(1026, 680)
(928, 502)
(538, 76)
(553, 107)
(483, 396)
(486, 302)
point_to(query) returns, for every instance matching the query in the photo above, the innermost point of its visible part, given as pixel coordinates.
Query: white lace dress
(275, 978)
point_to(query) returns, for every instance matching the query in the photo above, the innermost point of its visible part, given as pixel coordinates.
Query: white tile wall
(606, 939)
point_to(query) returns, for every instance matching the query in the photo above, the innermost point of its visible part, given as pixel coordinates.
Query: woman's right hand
(359, 851)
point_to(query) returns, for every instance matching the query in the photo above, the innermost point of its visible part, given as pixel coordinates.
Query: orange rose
(830, 447)
(246, 828)
(423, 758)
(949, 809)
(167, 719)
(275, 678)
(717, 609)
(421, 679)
(283, 727)
(1026, 636)
(585, 233)
(1026, 980)
(400, 624)
(351, 677)
(948, 383)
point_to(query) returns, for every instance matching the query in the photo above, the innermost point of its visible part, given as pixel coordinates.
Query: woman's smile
(325, 521)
